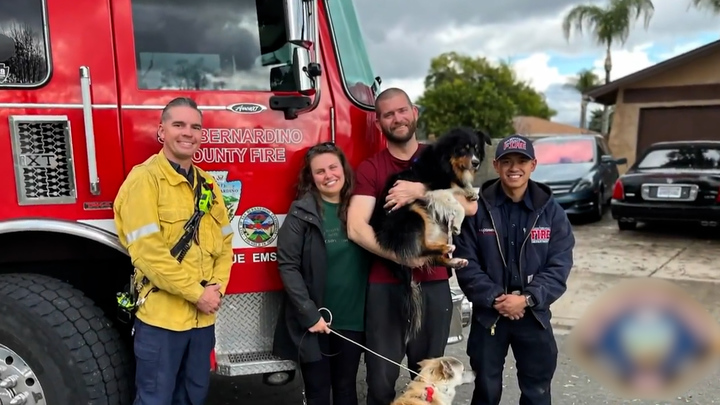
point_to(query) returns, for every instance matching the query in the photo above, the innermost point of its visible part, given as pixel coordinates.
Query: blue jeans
(172, 368)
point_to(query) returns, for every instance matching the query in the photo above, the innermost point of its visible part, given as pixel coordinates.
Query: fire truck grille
(244, 332)
(42, 150)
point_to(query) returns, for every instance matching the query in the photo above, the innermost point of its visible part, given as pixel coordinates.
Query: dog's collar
(429, 391)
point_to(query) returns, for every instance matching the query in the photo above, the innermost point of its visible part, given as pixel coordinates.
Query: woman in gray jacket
(321, 268)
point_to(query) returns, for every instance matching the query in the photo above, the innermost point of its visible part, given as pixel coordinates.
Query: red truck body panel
(90, 116)
(126, 120)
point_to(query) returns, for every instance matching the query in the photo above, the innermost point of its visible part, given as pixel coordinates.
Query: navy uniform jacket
(546, 255)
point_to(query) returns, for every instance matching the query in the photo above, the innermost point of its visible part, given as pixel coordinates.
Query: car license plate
(669, 192)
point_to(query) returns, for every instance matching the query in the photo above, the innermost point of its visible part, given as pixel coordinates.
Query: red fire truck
(82, 84)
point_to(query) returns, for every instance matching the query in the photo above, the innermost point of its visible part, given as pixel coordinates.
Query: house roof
(526, 125)
(607, 94)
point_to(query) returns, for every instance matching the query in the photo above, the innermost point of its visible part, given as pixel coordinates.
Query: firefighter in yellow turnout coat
(179, 286)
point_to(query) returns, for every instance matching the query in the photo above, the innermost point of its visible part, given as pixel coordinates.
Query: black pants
(535, 352)
(336, 372)
(385, 334)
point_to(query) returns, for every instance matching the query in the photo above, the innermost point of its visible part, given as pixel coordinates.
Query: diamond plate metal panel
(42, 153)
(262, 367)
(245, 326)
(244, 332)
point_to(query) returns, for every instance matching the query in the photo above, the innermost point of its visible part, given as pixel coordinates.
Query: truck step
(244, 331)
(251, 363)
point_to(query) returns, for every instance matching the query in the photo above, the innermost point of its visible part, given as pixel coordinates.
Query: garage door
(677, 124)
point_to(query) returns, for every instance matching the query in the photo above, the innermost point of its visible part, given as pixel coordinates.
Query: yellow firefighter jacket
(151, 209)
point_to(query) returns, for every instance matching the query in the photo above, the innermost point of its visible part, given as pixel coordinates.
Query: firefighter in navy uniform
(172, 219)
(519, 247)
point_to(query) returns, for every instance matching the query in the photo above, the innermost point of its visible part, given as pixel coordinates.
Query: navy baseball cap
(515, 144)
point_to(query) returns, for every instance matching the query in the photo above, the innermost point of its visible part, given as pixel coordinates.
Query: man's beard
(400, 139)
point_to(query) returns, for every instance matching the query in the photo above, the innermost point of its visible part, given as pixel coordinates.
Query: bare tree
(186, 75)
(29, 64)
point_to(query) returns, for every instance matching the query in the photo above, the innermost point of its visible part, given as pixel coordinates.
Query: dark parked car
(671, 181)
(579, 169)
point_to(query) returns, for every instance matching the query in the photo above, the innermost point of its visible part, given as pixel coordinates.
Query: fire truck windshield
(210, 44)
(7, 47)
(355, 64)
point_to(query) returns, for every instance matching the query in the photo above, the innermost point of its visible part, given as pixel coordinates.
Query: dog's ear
(484, 136)
(446, 369)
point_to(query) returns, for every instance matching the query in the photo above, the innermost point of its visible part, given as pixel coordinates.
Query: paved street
(603, 257)
(571, 387)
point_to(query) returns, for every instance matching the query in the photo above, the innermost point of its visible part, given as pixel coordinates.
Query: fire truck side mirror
(295, 23)
(300, 65)
(7, 48)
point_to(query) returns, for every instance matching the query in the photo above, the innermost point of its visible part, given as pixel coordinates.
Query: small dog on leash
(437, 382)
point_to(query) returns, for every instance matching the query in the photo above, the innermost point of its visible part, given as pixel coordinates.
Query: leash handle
(329, 313)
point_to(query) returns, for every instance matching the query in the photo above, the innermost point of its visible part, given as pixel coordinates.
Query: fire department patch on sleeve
(541, 234)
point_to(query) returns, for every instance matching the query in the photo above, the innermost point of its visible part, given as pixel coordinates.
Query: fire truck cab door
(58, 103)
(230, 57)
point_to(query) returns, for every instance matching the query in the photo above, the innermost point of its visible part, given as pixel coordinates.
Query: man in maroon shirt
(396, 117)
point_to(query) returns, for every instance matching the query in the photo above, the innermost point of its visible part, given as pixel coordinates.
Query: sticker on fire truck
(231, 191)
(4, 72)
(258, 227)
(246, 108)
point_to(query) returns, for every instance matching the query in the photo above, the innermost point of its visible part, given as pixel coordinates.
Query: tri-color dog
(420, 229)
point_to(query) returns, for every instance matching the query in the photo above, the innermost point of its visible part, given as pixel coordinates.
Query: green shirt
(348, 267)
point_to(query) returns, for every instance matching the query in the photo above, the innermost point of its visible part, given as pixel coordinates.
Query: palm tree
(596, 119)
(609, 24)
(584, 81)
(712, 5)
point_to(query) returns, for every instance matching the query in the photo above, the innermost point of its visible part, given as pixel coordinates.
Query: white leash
(363, 347)
(374, 352)
(449, 234)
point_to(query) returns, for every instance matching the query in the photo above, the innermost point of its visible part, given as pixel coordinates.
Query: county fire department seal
(258, 226)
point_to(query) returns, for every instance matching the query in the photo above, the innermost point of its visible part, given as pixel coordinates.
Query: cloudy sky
(402, 36)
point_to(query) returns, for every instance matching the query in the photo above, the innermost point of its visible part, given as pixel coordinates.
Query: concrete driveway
(603, 257)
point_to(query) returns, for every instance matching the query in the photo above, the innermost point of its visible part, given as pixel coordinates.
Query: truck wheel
(56, 347)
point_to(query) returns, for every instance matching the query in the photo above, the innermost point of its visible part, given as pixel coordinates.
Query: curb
(563, 326)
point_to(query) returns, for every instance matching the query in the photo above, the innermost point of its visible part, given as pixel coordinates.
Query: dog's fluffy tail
(412, 302)
(414, 305)
(400, 235)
